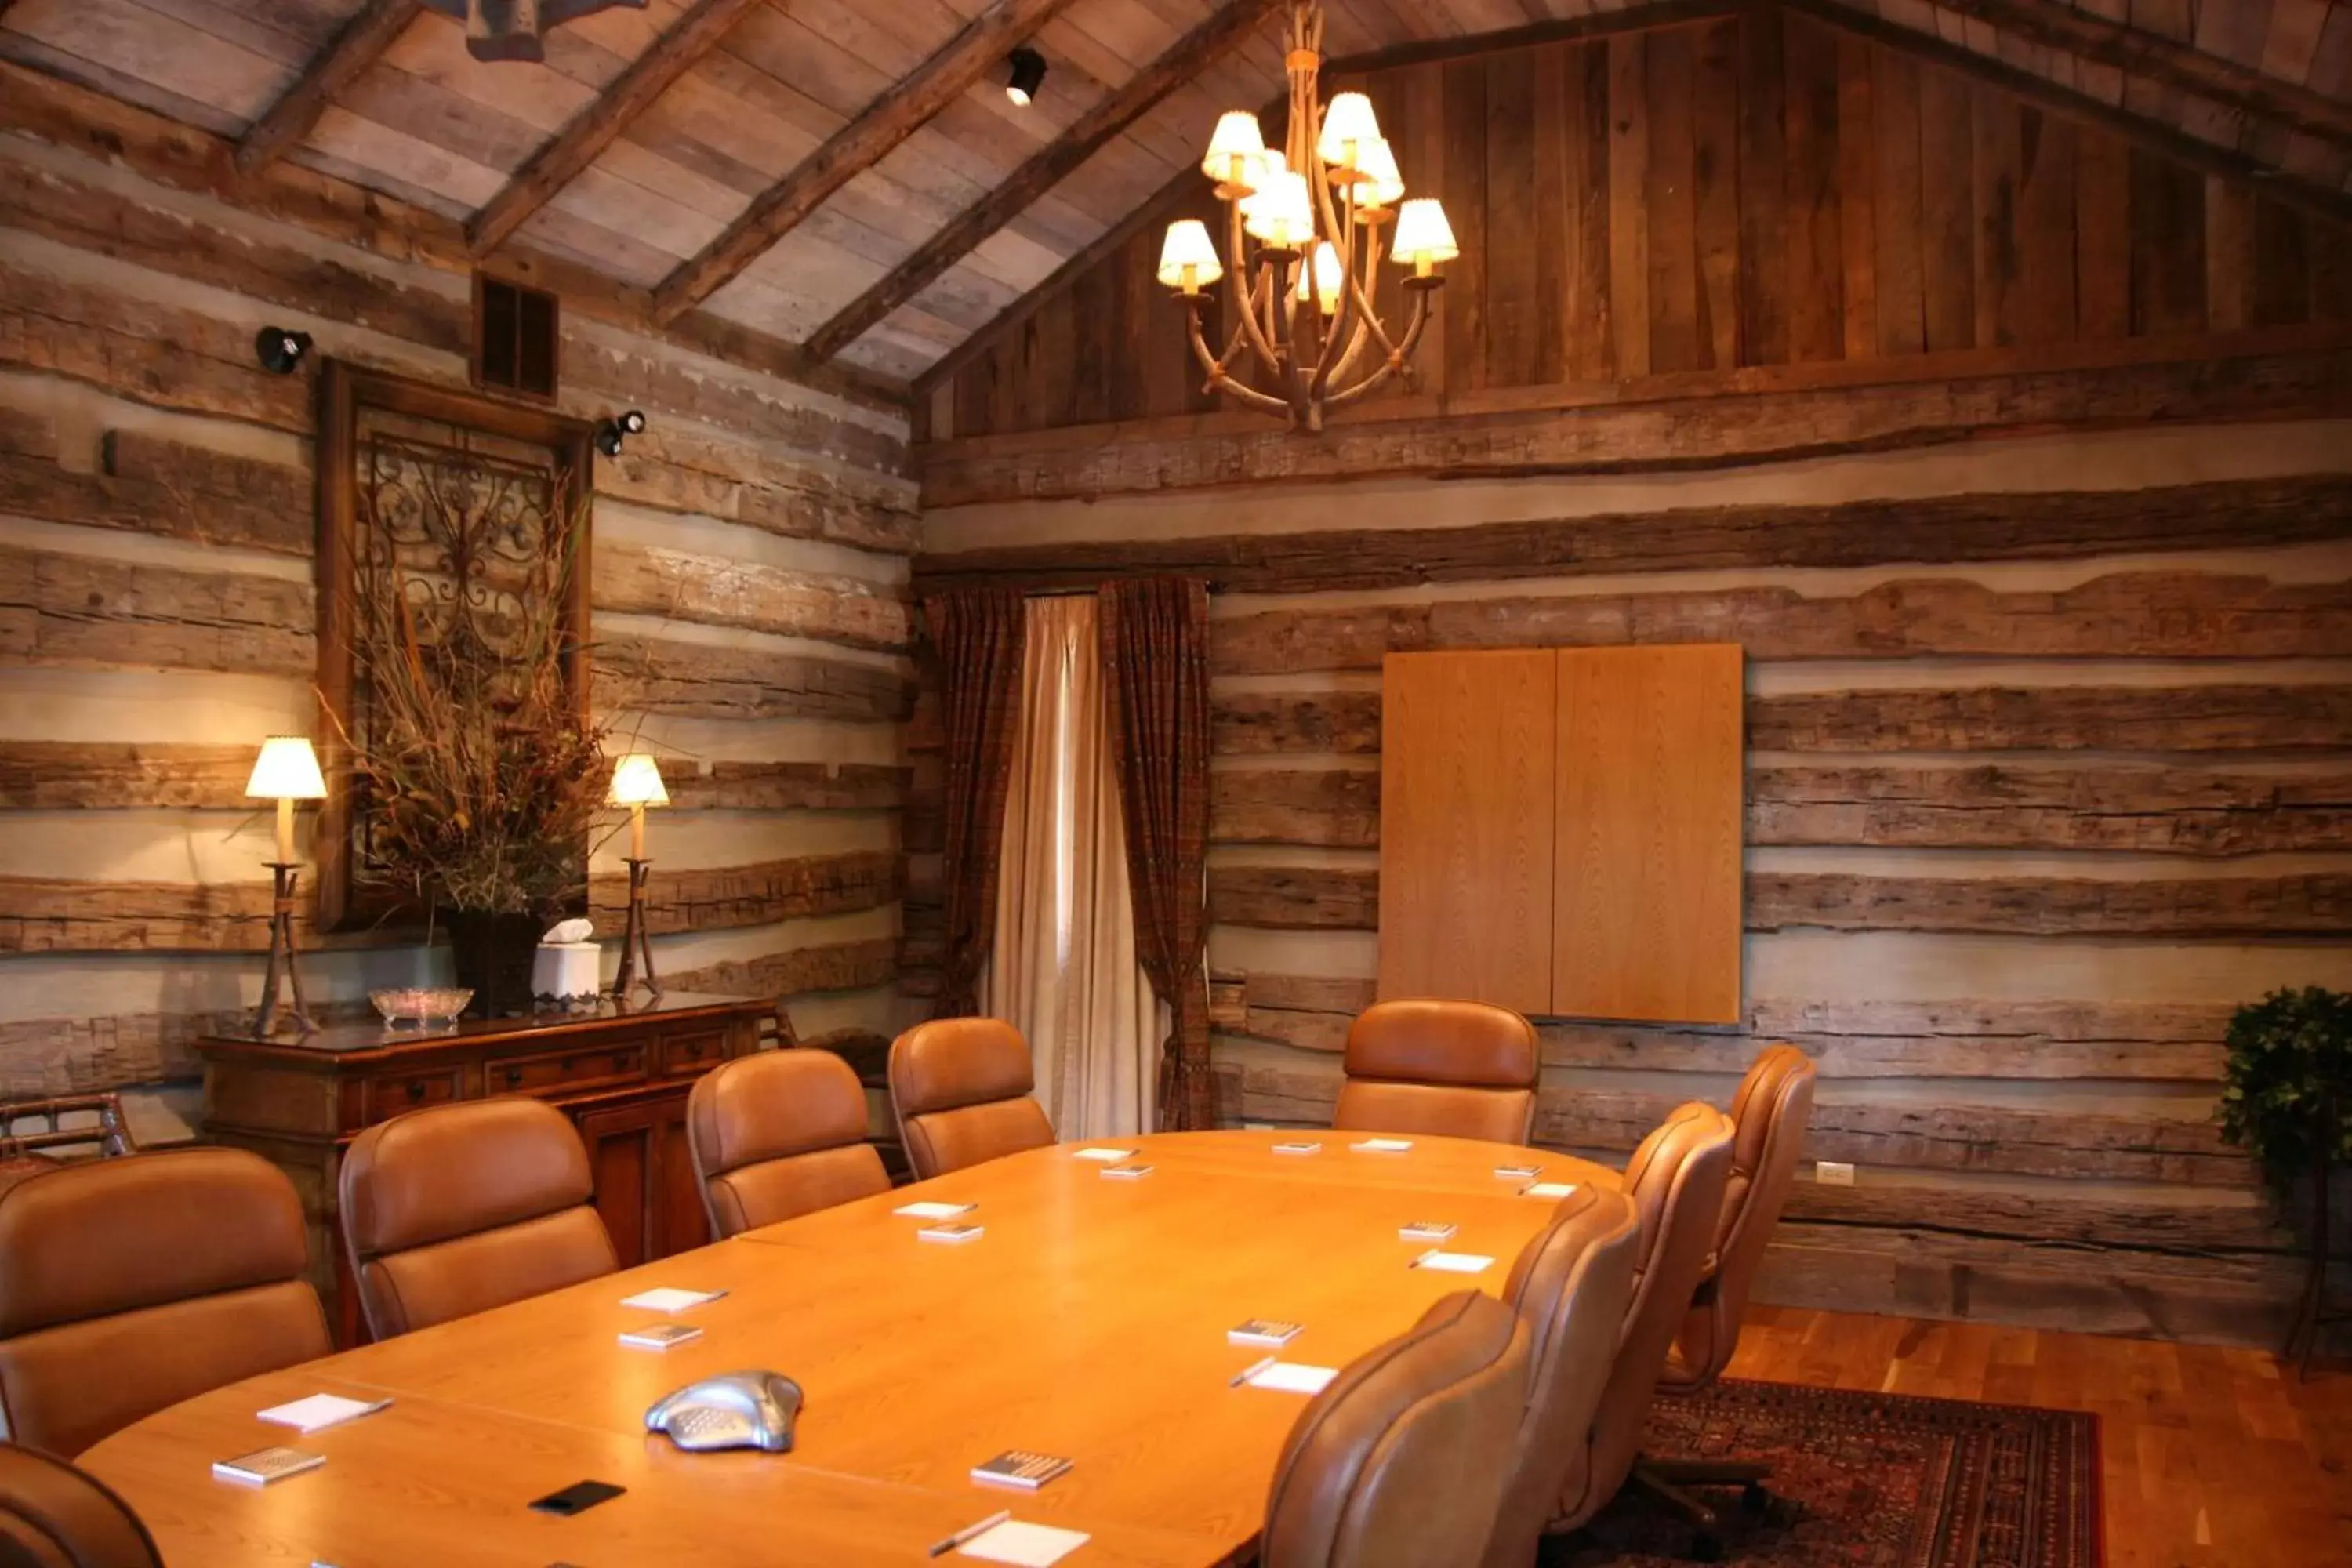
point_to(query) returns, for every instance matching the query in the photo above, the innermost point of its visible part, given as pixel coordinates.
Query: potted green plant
(2286, 1097)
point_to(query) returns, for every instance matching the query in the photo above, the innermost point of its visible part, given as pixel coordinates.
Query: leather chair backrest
(1460, 1069)
(1676, 1181)
(777, 1134)
(454, 1209)
(1570, 1287)
(129, 1285)
(1400, 1461)
(1771, 1114)
(960, 1090)
(54, 1515)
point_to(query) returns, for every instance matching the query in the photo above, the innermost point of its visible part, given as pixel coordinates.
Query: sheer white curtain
(1063, 969)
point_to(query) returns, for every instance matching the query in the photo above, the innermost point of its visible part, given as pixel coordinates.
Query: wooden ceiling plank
(595, 127)
(1046, 168)
(888, 121)
(363, 39)
(2177, 65)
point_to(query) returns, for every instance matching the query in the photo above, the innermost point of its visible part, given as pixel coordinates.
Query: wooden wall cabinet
(1560, 830)
(622, 1076)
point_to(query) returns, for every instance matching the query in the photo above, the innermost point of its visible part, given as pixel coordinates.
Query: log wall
(157, 611)
(2048, 766)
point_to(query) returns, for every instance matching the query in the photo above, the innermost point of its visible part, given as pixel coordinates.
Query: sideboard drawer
(389, 1094)
(553, 1072)
(683, 1055)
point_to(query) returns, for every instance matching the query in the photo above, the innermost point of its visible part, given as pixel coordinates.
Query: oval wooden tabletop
(1089, 1320)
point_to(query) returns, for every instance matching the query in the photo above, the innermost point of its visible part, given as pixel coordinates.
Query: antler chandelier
(1305, 230)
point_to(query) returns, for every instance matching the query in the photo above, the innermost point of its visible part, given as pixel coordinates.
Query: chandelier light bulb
(1424, 238)
(1188, 260)
(1236, 148)
(1348, 124)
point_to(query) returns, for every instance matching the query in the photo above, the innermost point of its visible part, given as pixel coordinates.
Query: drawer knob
(415, 1089)
(620, 1061)
(514, 1076)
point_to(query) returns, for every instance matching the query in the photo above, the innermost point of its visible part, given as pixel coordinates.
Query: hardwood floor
(2214, 1457)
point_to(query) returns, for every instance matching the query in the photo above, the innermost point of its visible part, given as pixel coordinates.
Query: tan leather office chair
(127, 1285)
(1570, 1287)
(960, 1090)
(454, 1209)
(55, 1515)
(1676, 1181)
(1459, 1070)
(1770, 1114)
(777, 1135)
(1400, 1461)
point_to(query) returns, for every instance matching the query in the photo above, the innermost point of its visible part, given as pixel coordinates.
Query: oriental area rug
(1867, 1480)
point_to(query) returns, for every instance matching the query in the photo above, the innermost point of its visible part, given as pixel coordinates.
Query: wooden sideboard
(622, 1073)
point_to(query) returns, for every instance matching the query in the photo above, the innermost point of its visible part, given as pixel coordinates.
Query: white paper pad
(1108, 1156)
(933, 1210)
(1519, 1172)
(1456, 1262)
(1293, 1377)
(1030, 1545)
(1549, 1190)
(1383, 1146)
(1297, 1148)
(320, 1411)
(667, 1300)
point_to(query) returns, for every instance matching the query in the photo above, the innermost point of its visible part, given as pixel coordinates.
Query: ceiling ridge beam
(586, 136)
(901, 110)
(363, 40)
(1088, 135)
(2142, 53)
(2287, 190)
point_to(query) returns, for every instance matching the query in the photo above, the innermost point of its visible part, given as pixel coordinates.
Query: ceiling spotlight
(633, 423)
(609, 438)
(279, 350)
(1028, 76)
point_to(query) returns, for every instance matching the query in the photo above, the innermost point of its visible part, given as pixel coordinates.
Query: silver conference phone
(738, 1410)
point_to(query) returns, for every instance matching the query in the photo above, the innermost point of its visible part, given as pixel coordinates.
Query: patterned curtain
(1155, 655)
(977, 635)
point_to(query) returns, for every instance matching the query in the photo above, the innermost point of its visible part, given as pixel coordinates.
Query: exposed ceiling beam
(2304, 195)
(888, 121)
(2159, 58)
(286, 121)
(594, 128)
(1183, 60)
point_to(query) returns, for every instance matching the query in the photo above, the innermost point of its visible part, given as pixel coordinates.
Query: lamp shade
(1423, 235)
(1188, 258)
(1280, 212)
(1330, 278)
(286, 769)
(1234, 148)
(1349, 125)
(1378, 184)
(637, 782)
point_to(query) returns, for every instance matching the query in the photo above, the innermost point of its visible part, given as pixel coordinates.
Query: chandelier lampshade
(1306, 229)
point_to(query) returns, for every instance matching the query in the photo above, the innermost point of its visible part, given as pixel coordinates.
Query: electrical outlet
(1833, 1174)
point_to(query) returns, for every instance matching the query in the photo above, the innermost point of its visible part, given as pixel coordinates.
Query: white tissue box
(566, 970)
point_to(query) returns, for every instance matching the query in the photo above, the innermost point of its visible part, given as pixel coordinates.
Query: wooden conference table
(1089, 1320)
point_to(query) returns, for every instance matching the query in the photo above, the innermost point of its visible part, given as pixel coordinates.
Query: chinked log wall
(157, 609)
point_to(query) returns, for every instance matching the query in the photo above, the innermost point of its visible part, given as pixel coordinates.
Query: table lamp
(637, 783)
(286, 771)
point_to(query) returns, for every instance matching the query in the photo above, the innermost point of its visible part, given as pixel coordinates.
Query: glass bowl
(422, 1006)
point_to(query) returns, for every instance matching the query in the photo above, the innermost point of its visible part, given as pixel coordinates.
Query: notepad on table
(320, 1411)
(1109, 1156)
(928, 1210)
(1519, 1172)
(1023, 1544)
(1547, 1190)
(1126, 1173)
(660, 1336)
(1293, 1377)
(1271, 1332)
(1383, 1146)
(1020, 1467)
(1298, 1146)
(667, 1298)
(953, 1233)
(1427, 1230)
(1455, 1262)
(264, 1466)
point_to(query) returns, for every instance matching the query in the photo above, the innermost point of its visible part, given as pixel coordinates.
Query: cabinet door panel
(1466, 824)
(1647, 892)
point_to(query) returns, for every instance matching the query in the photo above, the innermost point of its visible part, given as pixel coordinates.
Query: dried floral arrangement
(481, 771)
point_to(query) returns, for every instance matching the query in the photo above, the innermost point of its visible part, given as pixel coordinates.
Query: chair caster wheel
(1754, 1499)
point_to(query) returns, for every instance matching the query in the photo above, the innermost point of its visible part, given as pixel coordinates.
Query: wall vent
(515, 337)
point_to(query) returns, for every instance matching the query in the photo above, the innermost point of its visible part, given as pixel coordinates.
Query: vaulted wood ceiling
(851, 171)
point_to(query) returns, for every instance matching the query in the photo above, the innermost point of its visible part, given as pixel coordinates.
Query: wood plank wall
(1756, 194)
(156, 620)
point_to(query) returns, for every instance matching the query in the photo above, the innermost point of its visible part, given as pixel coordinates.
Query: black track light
(280, 350)
(613, 433)
(633, 423)
(1028, 76)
